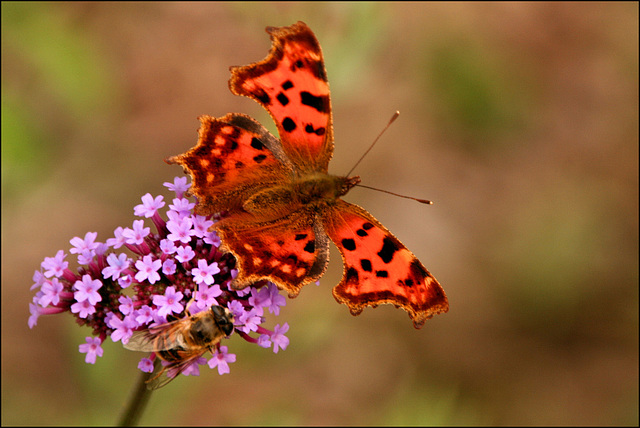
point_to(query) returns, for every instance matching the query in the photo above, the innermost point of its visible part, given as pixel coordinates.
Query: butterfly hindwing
(290, 251)
(291, 83)
(378, 268)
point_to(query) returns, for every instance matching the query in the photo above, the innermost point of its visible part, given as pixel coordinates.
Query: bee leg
(186, 310)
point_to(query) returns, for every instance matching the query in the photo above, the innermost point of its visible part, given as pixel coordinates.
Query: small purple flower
(87, 289)
(144, 315)
(192, 369)
(88, 243)
(182, 206)
(250, 320)
(149, 206)
(201, 225)
(119, 239)
(184, 254)
(146, 365)
(168, 247)
(169, 303)
(212, 238)
(126, 305)
(34, 311)
(278, 338)
(55, 266)
(125, 281)
(51, 291)
(221, 359)
(123, 328)
(179, 186)
(169, 267)
(117, 264)
(264, 341)
(204, 272)
(83, 309)
(86, 257)
(260, 298)
(136, 235)
(180, 229)
(236, 308)
(38, 280)
(92, 348)
(148, 269)
(276, 299)
(206, 296)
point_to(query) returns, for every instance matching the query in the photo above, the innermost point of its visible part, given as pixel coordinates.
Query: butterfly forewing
(291, 83)
(230, 162)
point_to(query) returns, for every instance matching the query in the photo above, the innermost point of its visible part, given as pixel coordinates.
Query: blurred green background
(520, 120)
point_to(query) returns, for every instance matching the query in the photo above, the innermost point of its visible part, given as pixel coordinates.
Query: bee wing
(163, 374)
(159, 338)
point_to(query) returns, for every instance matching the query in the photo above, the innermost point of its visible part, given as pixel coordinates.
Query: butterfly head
(347, 184)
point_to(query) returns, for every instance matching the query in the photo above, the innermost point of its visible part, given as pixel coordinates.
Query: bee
(182, 341)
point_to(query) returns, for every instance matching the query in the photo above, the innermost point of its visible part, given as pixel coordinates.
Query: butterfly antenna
(422, 201)
(394, 117)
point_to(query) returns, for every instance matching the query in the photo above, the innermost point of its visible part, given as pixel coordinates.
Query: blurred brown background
(519, 120)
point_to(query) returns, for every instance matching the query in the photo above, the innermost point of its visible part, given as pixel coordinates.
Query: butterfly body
(282, 205)
(312, 191)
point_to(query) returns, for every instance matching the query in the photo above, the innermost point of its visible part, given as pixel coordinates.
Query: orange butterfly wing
(291, 84)
(290, 251)
(234, 157)
(378, 268)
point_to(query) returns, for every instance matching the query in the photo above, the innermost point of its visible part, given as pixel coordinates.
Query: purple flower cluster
(115, 293)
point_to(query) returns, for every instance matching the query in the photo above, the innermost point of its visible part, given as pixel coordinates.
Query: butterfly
(282, 206)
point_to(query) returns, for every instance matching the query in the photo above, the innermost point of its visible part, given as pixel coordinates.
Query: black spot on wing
(310, 247)
(319, 103)
(257, 144)
(317, 68)
(310, 130)
(262, 97)
(389, 248)
(288, 124)
(349, 244)
(282, 99)
(382, 274)
(417, 269)
(351, 276)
